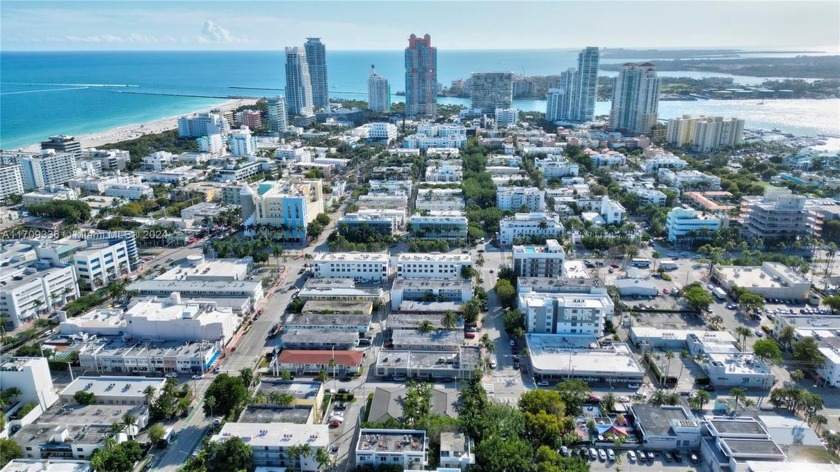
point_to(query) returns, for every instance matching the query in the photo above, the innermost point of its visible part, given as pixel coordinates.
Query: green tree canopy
(768, 350)
(229, 393)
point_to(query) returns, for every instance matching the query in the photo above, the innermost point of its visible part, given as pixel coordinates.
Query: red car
(469, 335)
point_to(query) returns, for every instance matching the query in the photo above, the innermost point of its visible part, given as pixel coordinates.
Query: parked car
(641, 456)
(198, 376)
(693, 458)
(602, 455)
(512, 342)
(340, 406)
(610, 455)
(593, 454)
(667, 456)
(631, 456)
(678, 456)
(544, 383)
(564, 451)
(172, 375)
(334, 447)
(469, 335)
(651, 456)
(344, 390)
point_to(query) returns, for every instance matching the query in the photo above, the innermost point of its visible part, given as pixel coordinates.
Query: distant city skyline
(193, 25)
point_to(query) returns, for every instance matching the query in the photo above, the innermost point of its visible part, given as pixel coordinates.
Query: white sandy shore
(124, 133)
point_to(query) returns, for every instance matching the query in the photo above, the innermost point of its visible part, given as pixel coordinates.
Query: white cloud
(114, 39)
(215, 33)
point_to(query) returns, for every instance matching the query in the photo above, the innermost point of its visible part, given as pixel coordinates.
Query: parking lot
(635, 466)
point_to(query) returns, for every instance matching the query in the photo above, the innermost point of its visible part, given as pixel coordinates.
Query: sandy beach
(124, 133)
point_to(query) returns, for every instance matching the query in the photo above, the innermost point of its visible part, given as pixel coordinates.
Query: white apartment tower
(277, 115)
(585, 85)
(635, 101)
(298, 83)
(45, 168)
(559, 98)
(316, 59)
(379, 92)
(11, 181)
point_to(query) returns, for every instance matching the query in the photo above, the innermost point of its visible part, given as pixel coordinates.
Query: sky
(34, 25)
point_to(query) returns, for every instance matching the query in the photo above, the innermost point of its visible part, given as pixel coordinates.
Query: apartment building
(778, 215)
(28, 290)
(202, 124)
(31, 376)
(272, 443)
(663, 161)
(684, 222)
(573, 313)
(381, 133)
(406, 448)
(444, 171)
(357, 265)
(491, 90)
(431, 266)
(11, 181)
(515, 198)
(556, 166)
(50, 194)
(526, 225)
(287, 205)
(704, 133)
(112, 354)
(43, 169)
(383, 224)
(688, 179)
(101, 263)
(435, 135)
(449, 225)
(823, 329)
(539, 261)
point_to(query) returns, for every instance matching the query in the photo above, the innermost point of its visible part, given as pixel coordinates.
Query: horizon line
(736, 49)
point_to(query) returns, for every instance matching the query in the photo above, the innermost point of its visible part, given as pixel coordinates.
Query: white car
(543, 383)
(198, 376)
(610, 455)
(492, 364)
(631, 456)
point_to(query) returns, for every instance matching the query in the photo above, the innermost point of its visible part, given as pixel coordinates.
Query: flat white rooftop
(581, 356)
(113, 385)
(351, 257)
(276, 434)
(433, 257)
(47, 465)
(739, 363)
(199, 268)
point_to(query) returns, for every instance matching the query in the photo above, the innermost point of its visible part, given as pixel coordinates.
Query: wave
(44, 90)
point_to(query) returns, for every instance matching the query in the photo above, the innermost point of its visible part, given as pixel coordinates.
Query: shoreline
(136, 130)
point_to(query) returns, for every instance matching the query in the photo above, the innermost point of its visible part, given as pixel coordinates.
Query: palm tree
(322, 458)
(669, 355)
(742, 332)
(128, 421)
(449, 320)
(656, 255)
(149, 392)
(116, 428)
(739, 395)
(658, 397)
(819, 421)
(701, 397)
(426, 326)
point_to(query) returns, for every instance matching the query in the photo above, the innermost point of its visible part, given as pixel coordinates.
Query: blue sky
(271, 25)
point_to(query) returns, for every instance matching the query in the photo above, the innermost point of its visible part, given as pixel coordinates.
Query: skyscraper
(316, 58)
(559, 98)
(277, 119)
(379, 92)
(635, 100)
(585, 85)
(491, 90)
(298, 84)
(420, 76)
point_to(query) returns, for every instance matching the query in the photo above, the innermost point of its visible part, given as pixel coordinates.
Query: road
(247, 351)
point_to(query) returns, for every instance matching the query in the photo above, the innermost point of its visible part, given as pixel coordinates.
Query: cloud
(215, 33)
(114, 39)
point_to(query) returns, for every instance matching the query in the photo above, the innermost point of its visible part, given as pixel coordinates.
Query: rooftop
(647, 332)
(387, 403)
(301, 389)
(351, 256)
(738, 426)
(426, 307)
(47, 465)
(439, 360)
(89, 415)
(558, 284)
(320, 337)
(278, 435)
(434, 257)
(320, 357)
(412, 321)
(253, 414)
(405, 338)
(557, 352)
(338, 307)
(752, 447)
(657, 420)
(456, 283)
(124, 386)
(391, 440)
(43, 433)
(739, 363)
(769, 274)
(197, 268)
(320, 319)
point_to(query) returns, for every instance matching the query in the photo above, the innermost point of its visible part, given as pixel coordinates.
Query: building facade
(515, 198)
(298, 83)
(356, 265)
(539, 261)
(379, 93)
(635, 100)
(574, 314)
(491, 90)
(420, 77)
(704, 133)
(286, 205)
(526, 225)
(316, 59)
(277, 114)
(684, 223)
(202, 124)
(585, 85)
(449, 225)
(11, 181)
(432, 266)
(778, 215)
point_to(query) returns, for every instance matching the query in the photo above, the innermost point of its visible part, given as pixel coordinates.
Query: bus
(641, 262)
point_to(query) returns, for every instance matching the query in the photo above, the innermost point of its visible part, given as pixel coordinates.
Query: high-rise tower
(316, 58)
(491, 90)
(298, 84)
(379, 92)
(420, 76)
(635, 100)
(585, 88)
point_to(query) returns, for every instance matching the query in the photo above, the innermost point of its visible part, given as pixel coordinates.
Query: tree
(739, 395)
(467, 272)
(116, 458)
(742, 333)
(229, 394)
(230, 455)
(471, 310)
(314, 229)
(506, 293)
(426, 326)
(449, 320)
(819, 421)
(608, 402)
(323, 219)
(129, 420)
(797, 375)
(514, 323)
(323, 375)
(247, 376)
(658, 398)
(697, 297)
(296, 305)
(496, 454)
(417, 403)
(84, 398)
(9, 449)
(806, 351)
(832, 302)
(767, 350)
(786, 337)
(573, 393)
(700, 398)
(549, 401)
(670, 356)
(322, 457)
(156, 433)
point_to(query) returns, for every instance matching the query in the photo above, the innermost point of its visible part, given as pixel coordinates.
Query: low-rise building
(452, 288)
(319, 339)
(27, 290)
(456, 450)
(444, 171)
(272, 443)
(113, 390)
(529, 225)
(688, 179)
(52, 465)
(562, 357)
(733, 441)
(515, 198)
(770, 280)
(655, 161)
(432, 265)
(824, 330)
(320, 321)
(449, 225)
(324, 289)
(738, 369)
(666, 427)
(556, 166)
(115, 355)
(387, 403)
(417, 340)
(371, 267)
(382, 224)
(433, 135)
(314, 361)
(402, 447)
(687, 223)
(539, 261)
(428, 365)
(49, 194)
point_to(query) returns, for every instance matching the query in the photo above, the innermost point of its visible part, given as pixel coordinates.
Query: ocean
(47, 93)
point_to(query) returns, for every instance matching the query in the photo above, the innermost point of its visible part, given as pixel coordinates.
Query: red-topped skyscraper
(420, 76)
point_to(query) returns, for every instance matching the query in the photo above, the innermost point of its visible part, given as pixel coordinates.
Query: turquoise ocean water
(84, 92)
